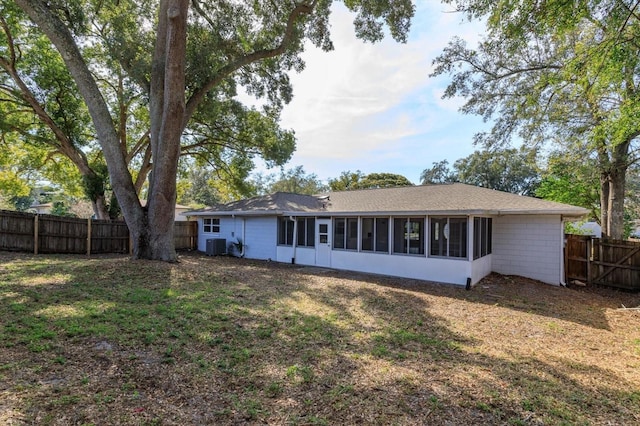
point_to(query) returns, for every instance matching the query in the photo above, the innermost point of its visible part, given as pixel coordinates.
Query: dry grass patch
(232, 341)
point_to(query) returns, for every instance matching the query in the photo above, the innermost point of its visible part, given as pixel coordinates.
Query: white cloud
(374, 107)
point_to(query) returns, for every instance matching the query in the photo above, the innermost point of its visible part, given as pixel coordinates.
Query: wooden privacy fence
(54, 234)
(612, 263)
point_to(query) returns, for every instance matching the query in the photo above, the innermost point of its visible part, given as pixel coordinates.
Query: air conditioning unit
(216, 247)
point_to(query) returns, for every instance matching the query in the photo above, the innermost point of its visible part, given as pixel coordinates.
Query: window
(482, 229)
(211, 226)
(408, 235)
(345, 233)
(448, 237)
(375, 234)
(306, 231)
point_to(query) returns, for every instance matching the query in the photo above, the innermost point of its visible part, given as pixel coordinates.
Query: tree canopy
(565, 73)
(349, 180)
(152, 93)
(504, 169)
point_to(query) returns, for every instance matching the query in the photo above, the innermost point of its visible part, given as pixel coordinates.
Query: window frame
(306, 230)
(407, 231)
(347, 239)
(379, 238)
(439, 227)
(482, 237)
(213, 225)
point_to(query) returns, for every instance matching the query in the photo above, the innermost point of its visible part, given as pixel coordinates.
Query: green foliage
(347, 180)
(504, 169)
(294, 180)
(571, 181)
(438, 173)
(60, 208)
(383, 180)
(555, 72)
(357, 180)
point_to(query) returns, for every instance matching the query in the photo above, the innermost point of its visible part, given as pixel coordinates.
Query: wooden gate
(612, 263)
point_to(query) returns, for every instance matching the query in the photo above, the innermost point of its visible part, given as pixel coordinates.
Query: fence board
(185, 235)
(56, 234)
(16, 231)
(616, 263)
(611, 263)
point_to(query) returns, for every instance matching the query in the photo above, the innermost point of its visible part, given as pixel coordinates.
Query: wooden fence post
(589, 260)
(35, 234)
(89, 237)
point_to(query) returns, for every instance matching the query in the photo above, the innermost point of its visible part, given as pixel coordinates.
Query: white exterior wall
(226, 229)
(453, 271)
(304, 255)
(260, 238)
(481, 268)
(259, 235)
(530, 246)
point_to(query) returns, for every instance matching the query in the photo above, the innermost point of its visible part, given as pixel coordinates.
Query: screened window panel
(339, 233)
(367, 234)
(382, 235)
(399, 235)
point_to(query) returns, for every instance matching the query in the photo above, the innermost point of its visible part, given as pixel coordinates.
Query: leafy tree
(357, 180)
(568, 180)
(562, 72)
(346, 181)
(438, 173)
(200, 188)
(383, 180)
(253, 44)
(296, 181)
(504, 169)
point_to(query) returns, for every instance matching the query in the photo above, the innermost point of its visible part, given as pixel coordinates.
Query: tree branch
(288, 38)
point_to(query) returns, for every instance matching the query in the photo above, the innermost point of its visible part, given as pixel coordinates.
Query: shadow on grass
(581, 306)
(228, 341)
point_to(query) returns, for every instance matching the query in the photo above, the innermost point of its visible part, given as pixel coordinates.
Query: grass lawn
(230, 341)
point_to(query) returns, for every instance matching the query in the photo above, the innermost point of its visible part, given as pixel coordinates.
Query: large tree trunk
(613, 181)
(167, 109)
(605, 209)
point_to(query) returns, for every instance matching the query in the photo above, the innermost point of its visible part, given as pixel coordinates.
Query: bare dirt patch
(232, 341)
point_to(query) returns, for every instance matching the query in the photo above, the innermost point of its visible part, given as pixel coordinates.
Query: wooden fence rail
(612, 263)
(54, 234)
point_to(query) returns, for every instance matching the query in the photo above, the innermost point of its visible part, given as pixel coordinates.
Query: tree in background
(383, 180)
(349, 180)
(346, 181)
(230, 43)
(507, 169)
(567, 180)
(556, 72)
(438, 173)
(294, 180)
(504, 169)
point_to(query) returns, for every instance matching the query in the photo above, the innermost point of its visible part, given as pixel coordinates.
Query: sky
(373, 107)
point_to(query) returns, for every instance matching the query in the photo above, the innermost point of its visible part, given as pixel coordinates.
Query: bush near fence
(41, 233)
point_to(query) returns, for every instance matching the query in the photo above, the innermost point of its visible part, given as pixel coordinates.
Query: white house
(452, 233)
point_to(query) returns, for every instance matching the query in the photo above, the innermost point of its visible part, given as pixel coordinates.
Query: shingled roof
(456, 198)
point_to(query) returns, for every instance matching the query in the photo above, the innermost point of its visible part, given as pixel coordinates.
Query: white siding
(304, 255)
(453, 271)
(261, 236)
(227, 229)
(481, 268)
(530, 246)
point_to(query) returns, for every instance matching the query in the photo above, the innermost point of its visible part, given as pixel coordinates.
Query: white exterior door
(323, 242)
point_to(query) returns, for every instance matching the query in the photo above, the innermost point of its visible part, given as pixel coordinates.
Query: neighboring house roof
(456, 198)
